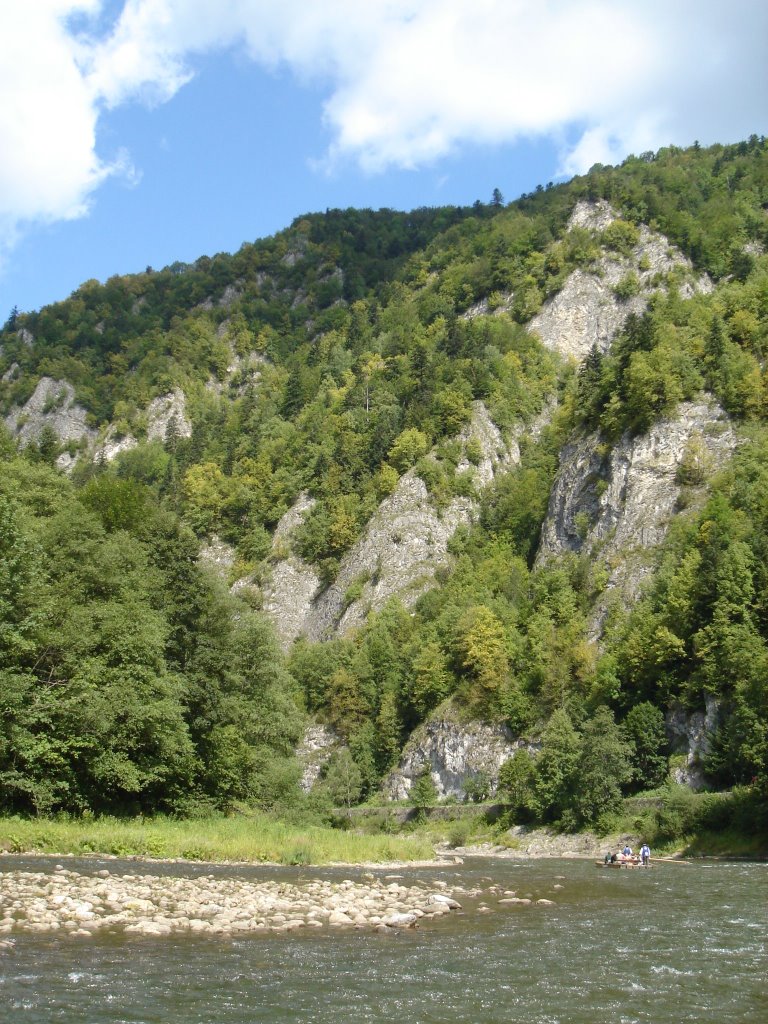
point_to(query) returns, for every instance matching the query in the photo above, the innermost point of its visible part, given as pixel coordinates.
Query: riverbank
(252, 839)
(260, 839)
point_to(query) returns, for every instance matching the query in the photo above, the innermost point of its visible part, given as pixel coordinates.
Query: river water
(673, 944)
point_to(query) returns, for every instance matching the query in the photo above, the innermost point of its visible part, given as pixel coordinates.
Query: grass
(254, 839)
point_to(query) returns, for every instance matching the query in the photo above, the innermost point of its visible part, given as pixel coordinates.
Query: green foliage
(557, 766)
(339, 359)
(605, 765)
(516, 781)
(343, 780)
(116, 695)
(423, 793)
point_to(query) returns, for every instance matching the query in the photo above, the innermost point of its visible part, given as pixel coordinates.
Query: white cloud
(407, 81)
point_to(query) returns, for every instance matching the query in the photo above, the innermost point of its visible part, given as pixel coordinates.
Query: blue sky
(141, 132)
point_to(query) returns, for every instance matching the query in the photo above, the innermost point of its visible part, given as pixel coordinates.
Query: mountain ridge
(324, 401)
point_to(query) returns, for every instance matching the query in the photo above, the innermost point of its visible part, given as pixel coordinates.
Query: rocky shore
(76, 905)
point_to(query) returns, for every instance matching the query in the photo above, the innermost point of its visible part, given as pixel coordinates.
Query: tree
(408, 448)
(497, 199)
(557, 766)
(481, 642)
(423, 792)
(516, 777)
(604, 766)
(343, 779)
(644, 728)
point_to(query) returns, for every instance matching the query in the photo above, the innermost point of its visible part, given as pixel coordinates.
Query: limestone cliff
(690, 734)
(316, 748)
(587, 310)
(52, 404)
(453, 753)
(617, 503)
(406, 541)
(167, 412)
(288, 587)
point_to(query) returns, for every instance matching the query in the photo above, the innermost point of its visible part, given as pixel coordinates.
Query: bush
(459, 833)
(477, 787)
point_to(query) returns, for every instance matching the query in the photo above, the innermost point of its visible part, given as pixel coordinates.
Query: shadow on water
(669, 945)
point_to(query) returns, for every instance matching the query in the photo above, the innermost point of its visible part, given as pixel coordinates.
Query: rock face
(691, 734)
(406, 541)
(291, 585)
(52, 404)
(454, 753)
(483, 307)
(218, 556)
(617, 504)
(586, 311)
(112, 446)
(317, 745)
(404, 544)
(167, 409)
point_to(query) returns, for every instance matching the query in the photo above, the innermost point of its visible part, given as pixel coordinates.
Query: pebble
(79, 906)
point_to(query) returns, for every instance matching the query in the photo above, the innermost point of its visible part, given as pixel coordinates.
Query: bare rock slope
(52, 404)
(454, 754)
(587, 311)
(617, 504)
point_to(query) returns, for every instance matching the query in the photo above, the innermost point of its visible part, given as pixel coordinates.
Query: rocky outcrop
(454, 753)
(52, 404)
(113, 445)
(617, 503)
(291, 584)
(690, 735)
(587, 310)
(486, 307)
(404, 544)
(164, 411)
(313, 753)
(406, 541)
(218, 556)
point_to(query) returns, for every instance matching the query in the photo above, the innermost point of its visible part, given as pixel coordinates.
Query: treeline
(128, 683)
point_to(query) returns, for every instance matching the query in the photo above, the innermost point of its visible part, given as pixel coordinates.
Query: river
(673, 944)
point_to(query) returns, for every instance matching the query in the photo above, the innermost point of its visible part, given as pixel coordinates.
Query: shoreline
(454, 859)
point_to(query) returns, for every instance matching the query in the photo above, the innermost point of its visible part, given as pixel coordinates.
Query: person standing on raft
(645, 854)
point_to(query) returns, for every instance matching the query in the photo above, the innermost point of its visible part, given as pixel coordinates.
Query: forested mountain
(507, 459)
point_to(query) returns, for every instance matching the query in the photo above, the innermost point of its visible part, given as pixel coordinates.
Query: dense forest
(330, 360)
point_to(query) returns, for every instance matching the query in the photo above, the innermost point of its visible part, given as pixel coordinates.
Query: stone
(167, 410)
(292, 584)
(52, 404)
(113, 446)
(314, 751)
(617, 504)
(455, 752)
(691, 733)
(586, 310)
(218, 556)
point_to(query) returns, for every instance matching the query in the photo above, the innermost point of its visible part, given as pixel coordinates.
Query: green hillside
(328, 361)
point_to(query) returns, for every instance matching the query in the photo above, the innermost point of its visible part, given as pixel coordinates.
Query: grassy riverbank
(253, 839)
